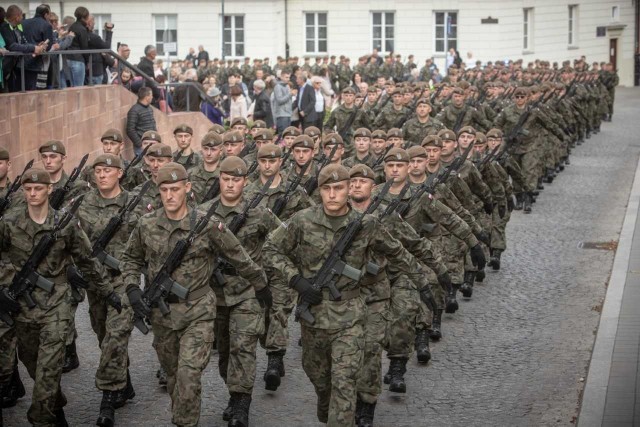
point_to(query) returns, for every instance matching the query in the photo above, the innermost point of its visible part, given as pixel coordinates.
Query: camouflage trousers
(113, 330)
(184, 349)
(369, 384)
(8, 343)
(331, 358)
(499, 230)
(276, 336)
(529, 163)
(486, 222)
(404, 315)
(238, 328)
(73, 333)
(41, 350)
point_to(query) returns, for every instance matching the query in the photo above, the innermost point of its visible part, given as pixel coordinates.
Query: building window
(615, 13)
(166, 33)
(233, 35)
(100, 20)
(383, 32)
(315, 32)
(573, 25)
(527, 29)
(446, 31)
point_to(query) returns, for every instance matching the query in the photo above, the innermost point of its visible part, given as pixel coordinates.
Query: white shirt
(319, 101)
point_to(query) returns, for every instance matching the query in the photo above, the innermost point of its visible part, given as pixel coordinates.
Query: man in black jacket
(191, 103)
(140, 119)
(311, 103)
(78, 62)
(262, 108)
(146, 62)
(99, 60)
(37, 30)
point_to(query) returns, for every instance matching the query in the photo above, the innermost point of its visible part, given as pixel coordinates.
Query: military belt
(193, 295)
(344, 295)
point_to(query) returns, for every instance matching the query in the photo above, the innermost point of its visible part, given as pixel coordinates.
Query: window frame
(234, 43)
(99, 24)
(160, 44)
(383, 30)
(445, 36)
(527, 29)
(316, 32)
(572, 33)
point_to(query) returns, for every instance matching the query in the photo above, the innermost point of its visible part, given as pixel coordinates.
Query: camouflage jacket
(201, 181)
(389, 117)
(298, 199)
(189, 162)
(76, 189)
(414, 131)
(350, 162)
(527, 140)
(473, 178)
(448, 116)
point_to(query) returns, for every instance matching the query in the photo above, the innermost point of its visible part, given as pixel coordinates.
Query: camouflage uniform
(350, 162)
(201, 181)
(298, 198)
(389, 117)
(414, 131)
(189, 162)
(183, 338)
(339, 117)
(448, 116)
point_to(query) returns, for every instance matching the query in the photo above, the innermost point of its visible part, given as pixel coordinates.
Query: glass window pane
(388, 46)
(454, 18)
(170, 36)
(439, 18)
(322, 32)
(240, 49)
(239, 36)
(309, 18)
(226, 36)
(310, 46)
(159, 35)
(453, 44)
(377, 32)
(239, 21)
(453, 33)
(388, 32)
(322, 18)
(227, 49)
(388, 18)
(227, 21)
(322, 46)
(159, 21)
(310, 33)
(377, 18)
(439, 32)
(439, 45)
(159, 49)
(172, 22)
(377, 44)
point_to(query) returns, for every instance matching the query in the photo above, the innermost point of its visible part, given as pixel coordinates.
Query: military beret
(151, 135)
(349, 89)
(494, 133)
(233, 166)
(238, 121)
(312, 131)
(303, 141)
(269, 151)
(458, 91)
(424, 101)
(332, 173)
(170, 173)
(211, 139)
(219, 129)
(36, 176)
(394, 133)
(361, 171)
(397, 155)
(372, 89)
(394, 92)
(160, 150)
(432, 141)
(447, 135)
(467, 129)
(183, 128)
(263, 135)
(362, 132)
(481, 138)
(464, 85)
(332, 139)
(53, 147)
(416, 151)
(521, 91)
(291, 131)
(232, 136)
(259, 124)
(108, 160)
(4, 154)
(113, 135)
(379, 134)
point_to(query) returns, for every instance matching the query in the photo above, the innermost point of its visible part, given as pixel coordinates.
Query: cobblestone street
(515, 354)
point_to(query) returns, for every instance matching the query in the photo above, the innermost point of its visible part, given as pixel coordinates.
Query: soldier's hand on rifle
(8, 304)
(484, 237)
(427, 298)
(488, 207)
(306, 291)
(140, 307)
(444, 279)
(114, 301)
(264, 297)
(477, 257)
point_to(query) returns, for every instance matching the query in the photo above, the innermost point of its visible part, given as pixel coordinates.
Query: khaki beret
(362, 132)
(423, 101)
(416, 151)
(521, 91)
(108, 160)
(160, 150)
(113, 135)
(233, 166)
(463, 85)
(36, 176)
(394, 92)
(4, 154)
(53, 147)
(312, 131)
(447, 135)
(259, 124)
(170, 173)
(269, 151)
(432, 141)
(397, 155)
(361, 171)
(372, 89)
(467, 129)
(291, 131)
(151, 135)
(379, 134)
(494, 133)
(263, 135)
(239, 121)
(211, 139)
(394, 133)
(232, 136)
(332, 173)
(303, 141)
(481, 138)
(349, 89)
(219, 129)
(457, 91)
(183, 128)
(332, 139)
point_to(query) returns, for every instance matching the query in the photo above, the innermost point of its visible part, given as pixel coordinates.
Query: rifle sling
(344, 295)
(193, 295)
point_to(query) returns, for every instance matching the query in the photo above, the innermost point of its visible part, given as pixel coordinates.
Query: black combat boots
(107, 417)
(494, 261)
(228, 411)
(422, 346)
(275, 370)
(13, 390)
(527, 203)
(366, 414)
(161, 375)
(519, 201)
(71, 360)
(397, 369)
(467, 287)
(436, 325)
(240, 417)
(450, 300)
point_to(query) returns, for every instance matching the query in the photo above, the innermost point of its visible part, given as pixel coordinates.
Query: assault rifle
(57, 197)
(137, 159)
(234, 226)
(393, 205)
(162, 284)
(398, 124)
(112, 228)
(213, 191)
(380, 159)
(25, 280)
(281, 202)
(352, 118)
(459, 118)
(312, 183)
(15, 186)
(487, 158)
(252, 167)
(334, 265)
(436, 94)
(246, 150)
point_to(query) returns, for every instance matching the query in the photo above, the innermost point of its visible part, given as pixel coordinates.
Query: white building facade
(554, 30)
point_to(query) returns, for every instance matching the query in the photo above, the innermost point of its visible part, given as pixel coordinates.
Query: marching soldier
(185, 155)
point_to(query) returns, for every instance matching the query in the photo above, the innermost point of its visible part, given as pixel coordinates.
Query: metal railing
(150, 81)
